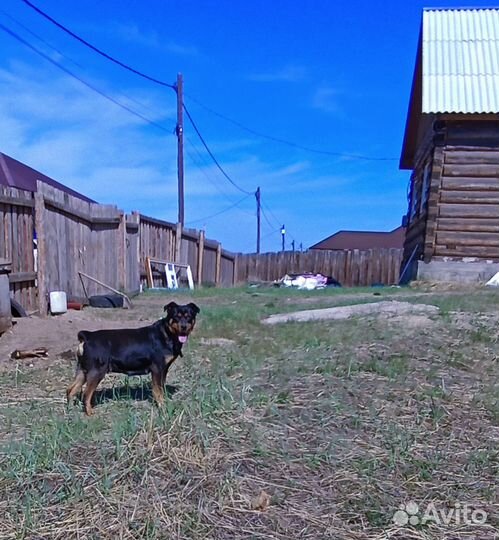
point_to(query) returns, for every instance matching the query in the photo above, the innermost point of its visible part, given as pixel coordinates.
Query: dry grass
(303, 431)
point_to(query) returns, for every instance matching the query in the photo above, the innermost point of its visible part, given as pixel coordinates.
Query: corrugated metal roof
(461, 60)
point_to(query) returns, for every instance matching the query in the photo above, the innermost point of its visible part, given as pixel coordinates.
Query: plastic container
(58, 302)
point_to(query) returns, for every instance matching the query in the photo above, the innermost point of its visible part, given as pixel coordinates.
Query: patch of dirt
(443, 286)
(58, 333)
(413, 321)
(389, 308)
(220, 342)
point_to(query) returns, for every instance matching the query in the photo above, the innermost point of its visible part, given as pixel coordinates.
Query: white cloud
(77, 137)
(151, 39)
(288, 73)
(80, 139)
(325, 99)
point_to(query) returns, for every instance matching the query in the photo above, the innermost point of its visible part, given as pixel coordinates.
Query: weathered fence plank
(16, 243)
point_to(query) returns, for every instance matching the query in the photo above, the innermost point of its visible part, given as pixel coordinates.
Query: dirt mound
(390, 308)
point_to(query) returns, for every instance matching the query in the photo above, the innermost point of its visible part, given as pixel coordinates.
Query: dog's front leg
(168, 363)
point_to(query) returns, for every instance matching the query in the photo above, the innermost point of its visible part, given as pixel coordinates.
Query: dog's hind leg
(157, 387)
(77, 384)
(94, 377)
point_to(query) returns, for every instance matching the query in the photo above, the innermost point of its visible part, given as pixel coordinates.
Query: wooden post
(178, 243)
(121, 263)
(41, 254)
(135, 218)
(218, 266)
(5, 308)
(179, 88)
(258, 211)
(150, 281)
(200, 257)
(235, 269)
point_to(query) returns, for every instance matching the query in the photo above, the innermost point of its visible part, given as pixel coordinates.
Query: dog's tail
(82, 338)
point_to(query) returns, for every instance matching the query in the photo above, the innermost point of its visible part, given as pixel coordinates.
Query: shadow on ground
(125, 392)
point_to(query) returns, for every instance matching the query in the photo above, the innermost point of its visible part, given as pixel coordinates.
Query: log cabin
(451, 144)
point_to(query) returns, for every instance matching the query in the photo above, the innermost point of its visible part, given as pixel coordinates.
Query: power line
(264, 214)
(274, 231)
(37, 36)
(204, 172)
(289, 143)
(201, 164)
(82, 81)
(67, 71)
(211, 154)
(220, 115)
(97, 50)
(69, 59)
(275, 218)
(271, 213)
(133, 70)
(221, 212)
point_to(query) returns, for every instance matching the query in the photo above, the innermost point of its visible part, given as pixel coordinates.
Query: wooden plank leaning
(128, 302)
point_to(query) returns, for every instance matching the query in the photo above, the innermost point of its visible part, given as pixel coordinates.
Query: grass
(334, 424)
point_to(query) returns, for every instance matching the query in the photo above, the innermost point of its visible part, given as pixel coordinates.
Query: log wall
(420, 230)
(462, 215)
(467, 222)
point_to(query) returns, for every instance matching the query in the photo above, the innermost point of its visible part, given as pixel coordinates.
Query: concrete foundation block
(457, 271)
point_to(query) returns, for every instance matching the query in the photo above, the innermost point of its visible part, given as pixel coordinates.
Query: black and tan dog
(135, 351)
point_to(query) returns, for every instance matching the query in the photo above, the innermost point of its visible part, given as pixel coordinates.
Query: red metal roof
(363, 240)
(15, 174)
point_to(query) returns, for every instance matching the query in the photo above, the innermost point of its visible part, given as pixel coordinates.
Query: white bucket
(58, 302)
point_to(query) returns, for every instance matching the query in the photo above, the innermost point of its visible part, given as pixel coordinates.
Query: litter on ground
(307, 281)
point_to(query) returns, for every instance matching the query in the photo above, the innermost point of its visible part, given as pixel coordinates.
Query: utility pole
(179, 88)
(293, 246)
(258, 211)
(283, 235)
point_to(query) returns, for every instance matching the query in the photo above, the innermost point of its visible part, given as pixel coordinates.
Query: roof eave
(414, 110)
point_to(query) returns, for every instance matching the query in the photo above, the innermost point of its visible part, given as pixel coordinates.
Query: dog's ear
(194, 308)
(170, 306)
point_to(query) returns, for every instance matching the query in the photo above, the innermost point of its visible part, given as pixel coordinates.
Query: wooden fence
(161, 240)
(351, 268)
(77, 236)
(51, 236)
(74, 236)
(16, 243)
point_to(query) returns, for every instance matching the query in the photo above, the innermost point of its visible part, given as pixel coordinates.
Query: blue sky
(334, 77)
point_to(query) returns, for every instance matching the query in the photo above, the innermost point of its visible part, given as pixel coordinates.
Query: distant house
(362, 240)
(451, 144)
(15, 174)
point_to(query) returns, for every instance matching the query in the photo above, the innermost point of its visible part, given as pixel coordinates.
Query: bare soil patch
(309, 430)
(387, 308)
